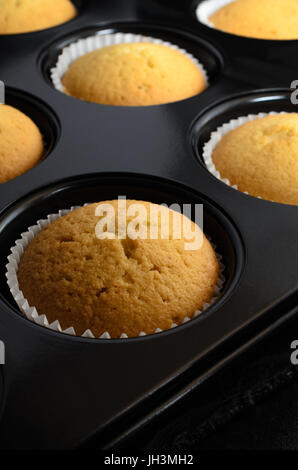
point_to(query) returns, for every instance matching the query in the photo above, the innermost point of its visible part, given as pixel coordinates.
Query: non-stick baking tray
(60, 391)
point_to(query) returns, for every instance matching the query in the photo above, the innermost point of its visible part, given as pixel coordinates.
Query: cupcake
(121, 285)
(263, 19)
(21, 145)
(22, 16)
(261, 157)
(134, 74)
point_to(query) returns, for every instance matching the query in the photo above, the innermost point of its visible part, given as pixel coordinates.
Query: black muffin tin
(59, 391)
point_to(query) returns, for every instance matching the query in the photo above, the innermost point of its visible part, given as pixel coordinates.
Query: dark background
(251, 405)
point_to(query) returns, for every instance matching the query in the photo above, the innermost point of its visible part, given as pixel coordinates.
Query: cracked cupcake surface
(23, 16)
(262, 19)
(135, 74)
(261, 158)
(115, 285)
(21, 145)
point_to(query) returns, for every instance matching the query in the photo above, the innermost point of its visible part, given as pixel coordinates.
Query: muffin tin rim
(37, 102)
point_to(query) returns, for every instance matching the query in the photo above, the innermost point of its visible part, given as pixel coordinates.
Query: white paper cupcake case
(206, 8)
(83, 46)
(31, 313)
(217, 135)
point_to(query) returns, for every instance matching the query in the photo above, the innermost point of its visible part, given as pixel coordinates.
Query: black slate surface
(251, 405)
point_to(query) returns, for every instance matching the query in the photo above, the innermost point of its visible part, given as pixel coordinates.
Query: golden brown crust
(137, 74)
(119, 286)
(21, 145)
(261, 158)
(263, 19)
(23, 16)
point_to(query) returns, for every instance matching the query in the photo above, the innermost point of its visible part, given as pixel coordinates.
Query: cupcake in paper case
(88, 273)
(128, 70)
(261, 19)
(258, 155)
(21, 143)
(24, 16)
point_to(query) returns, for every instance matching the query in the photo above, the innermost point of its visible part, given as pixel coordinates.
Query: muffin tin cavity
(253, 19)
(206, 54)
(237, 106)
(41, 115)
(101, 187)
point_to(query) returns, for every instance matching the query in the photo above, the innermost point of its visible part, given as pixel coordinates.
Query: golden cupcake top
(135, 74)
(73, 273)
(262, 19)
(261, 158)
(23, 16)
(21, 145)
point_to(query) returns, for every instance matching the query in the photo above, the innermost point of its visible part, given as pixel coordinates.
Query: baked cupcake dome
(120, 286)
(263, 19)
(135, 74)
(261, 158)
(21, 145)
(22, 16)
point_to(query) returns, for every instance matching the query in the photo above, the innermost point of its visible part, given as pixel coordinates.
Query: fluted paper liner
(217, 135)
(206, 8)
(31, 313)
(83, 46)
